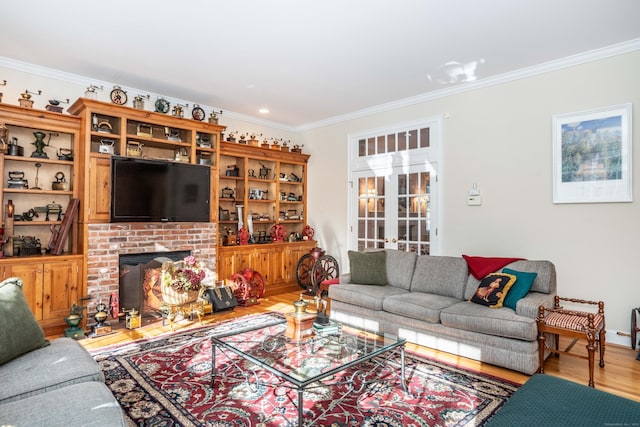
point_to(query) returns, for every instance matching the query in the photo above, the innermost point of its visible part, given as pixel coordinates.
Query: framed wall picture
(592, 156)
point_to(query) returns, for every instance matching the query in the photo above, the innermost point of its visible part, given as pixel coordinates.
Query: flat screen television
(144, 190)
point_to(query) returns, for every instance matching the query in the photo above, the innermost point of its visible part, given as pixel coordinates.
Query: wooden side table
(573, 324)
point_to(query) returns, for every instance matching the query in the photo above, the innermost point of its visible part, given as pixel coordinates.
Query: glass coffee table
(310, 362)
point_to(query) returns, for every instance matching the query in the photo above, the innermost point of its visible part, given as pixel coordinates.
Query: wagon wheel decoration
(325, 268)
(240, 286)
(303, 271)
(255, 281)
(278, 233)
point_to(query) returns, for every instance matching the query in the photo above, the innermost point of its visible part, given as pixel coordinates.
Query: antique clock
(197, 113)
(118, 96)
(162, 106)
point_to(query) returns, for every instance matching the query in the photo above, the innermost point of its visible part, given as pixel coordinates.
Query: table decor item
(221, 297)
(118, 96)
(181, 280)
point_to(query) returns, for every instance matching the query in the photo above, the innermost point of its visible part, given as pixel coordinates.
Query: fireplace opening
(140, 277)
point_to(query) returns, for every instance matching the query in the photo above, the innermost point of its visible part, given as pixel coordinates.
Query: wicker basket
(172, 297)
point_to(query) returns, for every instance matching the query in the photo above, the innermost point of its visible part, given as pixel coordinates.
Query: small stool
(573, 324)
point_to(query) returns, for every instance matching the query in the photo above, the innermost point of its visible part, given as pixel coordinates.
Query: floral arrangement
(183, 276)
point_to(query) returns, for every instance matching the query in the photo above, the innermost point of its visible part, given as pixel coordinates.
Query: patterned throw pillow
(493, 289)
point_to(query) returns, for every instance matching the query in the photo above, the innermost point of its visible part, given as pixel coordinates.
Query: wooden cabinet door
(273, 266)
(60, 288)
(293, 255)
(31, 276)
(99, 189)
(234, 260)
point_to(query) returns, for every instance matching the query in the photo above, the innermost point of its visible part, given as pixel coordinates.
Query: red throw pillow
(481, 266)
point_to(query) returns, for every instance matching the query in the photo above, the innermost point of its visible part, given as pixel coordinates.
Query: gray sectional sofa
(47, 383)
(425, 299)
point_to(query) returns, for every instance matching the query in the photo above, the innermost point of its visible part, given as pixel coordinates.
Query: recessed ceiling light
(264, 111)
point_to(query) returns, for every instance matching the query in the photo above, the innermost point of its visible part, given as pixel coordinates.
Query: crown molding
(84, 81)
(546, 67)
(570, 61)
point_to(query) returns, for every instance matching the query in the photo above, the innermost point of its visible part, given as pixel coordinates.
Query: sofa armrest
(528, 306)
(345, 278)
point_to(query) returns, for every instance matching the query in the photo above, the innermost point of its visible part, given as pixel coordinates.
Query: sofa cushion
(368, 268)
(85, 404)
(478, 318)
(524, 281)
(370, 297)
(20, 333)
(400, 266)
(62, 363)
(545, 281)
(418, 305)
(440, 275)
(493, 289)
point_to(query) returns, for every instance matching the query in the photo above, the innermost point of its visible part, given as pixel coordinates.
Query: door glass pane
(381, 145)
(362, 148)
(371, 212)
(391, 143)
(414, 212)
(402, 141)
(413, 139)
(424, 138)
(371, 146)
(402, 184)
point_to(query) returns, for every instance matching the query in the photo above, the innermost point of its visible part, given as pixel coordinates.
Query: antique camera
(232, 170)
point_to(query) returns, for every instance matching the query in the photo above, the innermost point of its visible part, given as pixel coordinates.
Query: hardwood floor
(620, 376)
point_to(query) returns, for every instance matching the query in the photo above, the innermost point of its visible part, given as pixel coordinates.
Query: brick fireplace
(108, 241)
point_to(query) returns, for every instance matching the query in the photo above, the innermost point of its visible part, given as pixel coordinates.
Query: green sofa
(46, 382)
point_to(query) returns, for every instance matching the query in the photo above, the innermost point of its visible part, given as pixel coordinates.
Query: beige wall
(500, 138)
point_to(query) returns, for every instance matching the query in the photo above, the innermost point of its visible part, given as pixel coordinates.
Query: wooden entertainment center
(269, 184)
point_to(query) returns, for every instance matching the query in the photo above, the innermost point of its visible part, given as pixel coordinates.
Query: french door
(393, 191)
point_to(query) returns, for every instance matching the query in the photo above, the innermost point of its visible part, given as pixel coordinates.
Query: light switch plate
(474, 200)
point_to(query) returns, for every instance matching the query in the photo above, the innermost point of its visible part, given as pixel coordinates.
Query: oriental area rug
(166, 381)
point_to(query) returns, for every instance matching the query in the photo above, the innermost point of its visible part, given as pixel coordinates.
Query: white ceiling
(306, 61)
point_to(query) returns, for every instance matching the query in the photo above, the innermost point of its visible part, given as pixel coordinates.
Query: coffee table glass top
(316, 357)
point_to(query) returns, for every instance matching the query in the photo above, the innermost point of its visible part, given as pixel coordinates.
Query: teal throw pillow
(368, 268)
(520, 289)
(20, 333)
